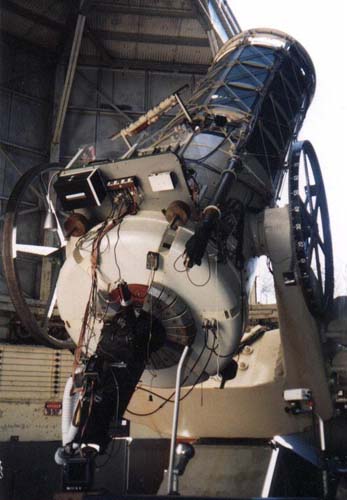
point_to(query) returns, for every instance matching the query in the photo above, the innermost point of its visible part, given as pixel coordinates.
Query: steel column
(70, 74)
(206, 23)
(170, 478)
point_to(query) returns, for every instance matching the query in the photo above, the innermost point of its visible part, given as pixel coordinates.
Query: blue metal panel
(162, 85)
(23, 162)
(2, 179)
(6, 67)
(5, 102)
(107, 88)
(29, 123)
(129, 89)
(32, 75)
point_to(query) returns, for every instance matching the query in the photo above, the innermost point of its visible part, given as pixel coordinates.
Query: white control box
(300, 394)
(162, 181)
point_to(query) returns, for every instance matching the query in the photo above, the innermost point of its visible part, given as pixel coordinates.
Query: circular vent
(174, 315)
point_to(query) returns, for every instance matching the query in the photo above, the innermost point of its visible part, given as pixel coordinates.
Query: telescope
(156, 251)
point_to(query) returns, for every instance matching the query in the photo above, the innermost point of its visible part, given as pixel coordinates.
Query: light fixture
(50, 223)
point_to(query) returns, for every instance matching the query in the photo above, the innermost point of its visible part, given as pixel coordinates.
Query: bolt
(243, 366)
(247, 349)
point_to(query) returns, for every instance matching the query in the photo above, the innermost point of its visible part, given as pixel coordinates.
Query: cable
(90, 406)
(269, 265)
(213, 348)
(89, 318)
(118, 396)
(205, 165)
(115, 253)
(197, 380)
(187, 270)
(199, 285)
(151, 323)
(175, 265)
(250, 340)
(109, 456)
(169, 399)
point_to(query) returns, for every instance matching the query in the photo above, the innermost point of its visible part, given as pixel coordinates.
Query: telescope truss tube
(139, 285)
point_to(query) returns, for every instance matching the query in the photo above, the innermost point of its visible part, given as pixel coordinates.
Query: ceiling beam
(118, 63)
(97, 35)
(94, 38)
(145, 65)
(108, 8)
(47, 53)
(36, 18)
(148, 38)
(99, 7)
(19, 147)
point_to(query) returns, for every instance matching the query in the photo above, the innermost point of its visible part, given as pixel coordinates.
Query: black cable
(198, 379)
(117, 387)
(153, 393)
(175, 266)
(213, 348)
(91, 307)
(199, 285)
(269, 265)
(205, 165)
(211, 153)
(186, 270)
(111, 454)
(169, 399)
(115, 252)
(250, 340)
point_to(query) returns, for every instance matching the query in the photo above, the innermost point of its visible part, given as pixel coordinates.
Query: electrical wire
(90, 406)
(118, 395)
(109, 456)
(204, 165)
(175, 264)
(200, 285)
(187, 270)
(112, 454)
(115, 254)
(151, 319)
(169, 399)
(89, 318)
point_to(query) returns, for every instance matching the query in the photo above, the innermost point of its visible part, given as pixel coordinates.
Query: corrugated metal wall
(26, 85)
(30, 376)
(91, 119)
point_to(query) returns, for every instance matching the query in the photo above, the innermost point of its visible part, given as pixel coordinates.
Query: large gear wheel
(26, 248)
(311, 228)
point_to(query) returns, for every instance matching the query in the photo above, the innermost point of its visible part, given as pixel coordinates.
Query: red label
(53, 408)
